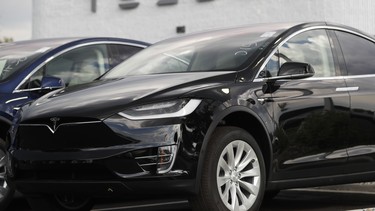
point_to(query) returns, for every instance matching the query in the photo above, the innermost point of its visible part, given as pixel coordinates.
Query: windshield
(11, 64)
(16, 56)
(218, 50)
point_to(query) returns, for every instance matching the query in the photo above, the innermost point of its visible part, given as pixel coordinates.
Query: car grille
(66, 136)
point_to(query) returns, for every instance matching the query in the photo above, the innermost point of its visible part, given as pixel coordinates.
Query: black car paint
(138, 134)
(228, 98)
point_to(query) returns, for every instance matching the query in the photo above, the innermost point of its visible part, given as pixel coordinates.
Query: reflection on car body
(222, 117)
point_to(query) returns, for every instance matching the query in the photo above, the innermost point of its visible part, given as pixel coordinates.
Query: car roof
(280, 27)
(270, 27)
(52, 43)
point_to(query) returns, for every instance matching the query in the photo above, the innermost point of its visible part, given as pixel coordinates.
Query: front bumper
(110, 172)
(118, 157)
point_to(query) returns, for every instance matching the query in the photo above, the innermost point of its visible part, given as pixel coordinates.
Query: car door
(310, 114)
(359, 56)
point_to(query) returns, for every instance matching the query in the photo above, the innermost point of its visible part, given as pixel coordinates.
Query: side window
(311, 47)
(358, 53)
(77, 66)
(273, 65)
(120, 53)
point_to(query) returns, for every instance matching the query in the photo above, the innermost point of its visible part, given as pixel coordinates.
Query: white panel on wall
(150, 22)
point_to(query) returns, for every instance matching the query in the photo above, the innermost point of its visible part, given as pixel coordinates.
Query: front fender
(219, 120)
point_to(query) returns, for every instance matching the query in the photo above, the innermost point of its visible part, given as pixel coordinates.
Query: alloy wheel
(238, 176)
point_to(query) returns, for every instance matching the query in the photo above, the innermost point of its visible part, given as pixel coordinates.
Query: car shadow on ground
(297, 199)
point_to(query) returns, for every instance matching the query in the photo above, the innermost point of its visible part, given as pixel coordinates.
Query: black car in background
(222, 117)
(32, 68)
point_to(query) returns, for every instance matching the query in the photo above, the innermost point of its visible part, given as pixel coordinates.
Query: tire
(6, 189)
(64, 202)
(232, 179)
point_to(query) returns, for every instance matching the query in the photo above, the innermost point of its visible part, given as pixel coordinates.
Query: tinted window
(359, 53)
(120, 53)
(311, 47)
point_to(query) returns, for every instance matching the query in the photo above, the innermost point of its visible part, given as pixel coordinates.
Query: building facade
(154, 20)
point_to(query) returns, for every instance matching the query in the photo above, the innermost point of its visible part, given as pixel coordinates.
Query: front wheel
(233, 176)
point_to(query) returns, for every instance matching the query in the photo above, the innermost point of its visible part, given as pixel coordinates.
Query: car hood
(101, 99)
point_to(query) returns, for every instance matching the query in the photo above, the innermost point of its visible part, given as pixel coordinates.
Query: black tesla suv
(222, 117)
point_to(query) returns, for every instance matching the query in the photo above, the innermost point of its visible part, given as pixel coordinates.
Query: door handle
(347, 89)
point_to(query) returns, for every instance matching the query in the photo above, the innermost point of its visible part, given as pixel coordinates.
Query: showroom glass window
(358, 53)
(311, 47)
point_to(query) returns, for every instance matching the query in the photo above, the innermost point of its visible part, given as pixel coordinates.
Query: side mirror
(289, 70)
(51, 83)
(296, 69)
(293, 70)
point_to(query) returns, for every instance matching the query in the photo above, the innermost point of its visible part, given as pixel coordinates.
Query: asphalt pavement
(355, 197)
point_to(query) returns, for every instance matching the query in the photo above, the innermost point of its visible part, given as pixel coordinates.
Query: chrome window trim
(304, 30)
(306, 79)
(324, 78)
(359, 76)
(17, 90)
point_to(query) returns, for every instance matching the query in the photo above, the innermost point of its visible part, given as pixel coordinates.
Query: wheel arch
(246, 119)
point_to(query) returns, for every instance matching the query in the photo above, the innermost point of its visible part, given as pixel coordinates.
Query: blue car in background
(30, 69)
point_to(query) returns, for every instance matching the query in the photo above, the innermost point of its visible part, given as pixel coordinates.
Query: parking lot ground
(349, 197)
(320, 200)
(145, 205)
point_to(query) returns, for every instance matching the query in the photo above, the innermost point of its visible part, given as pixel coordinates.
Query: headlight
(175, 108)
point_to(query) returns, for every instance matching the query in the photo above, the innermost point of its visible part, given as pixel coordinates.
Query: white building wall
(149, 22)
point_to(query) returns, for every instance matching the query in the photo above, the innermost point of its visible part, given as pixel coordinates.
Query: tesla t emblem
(54, 123)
